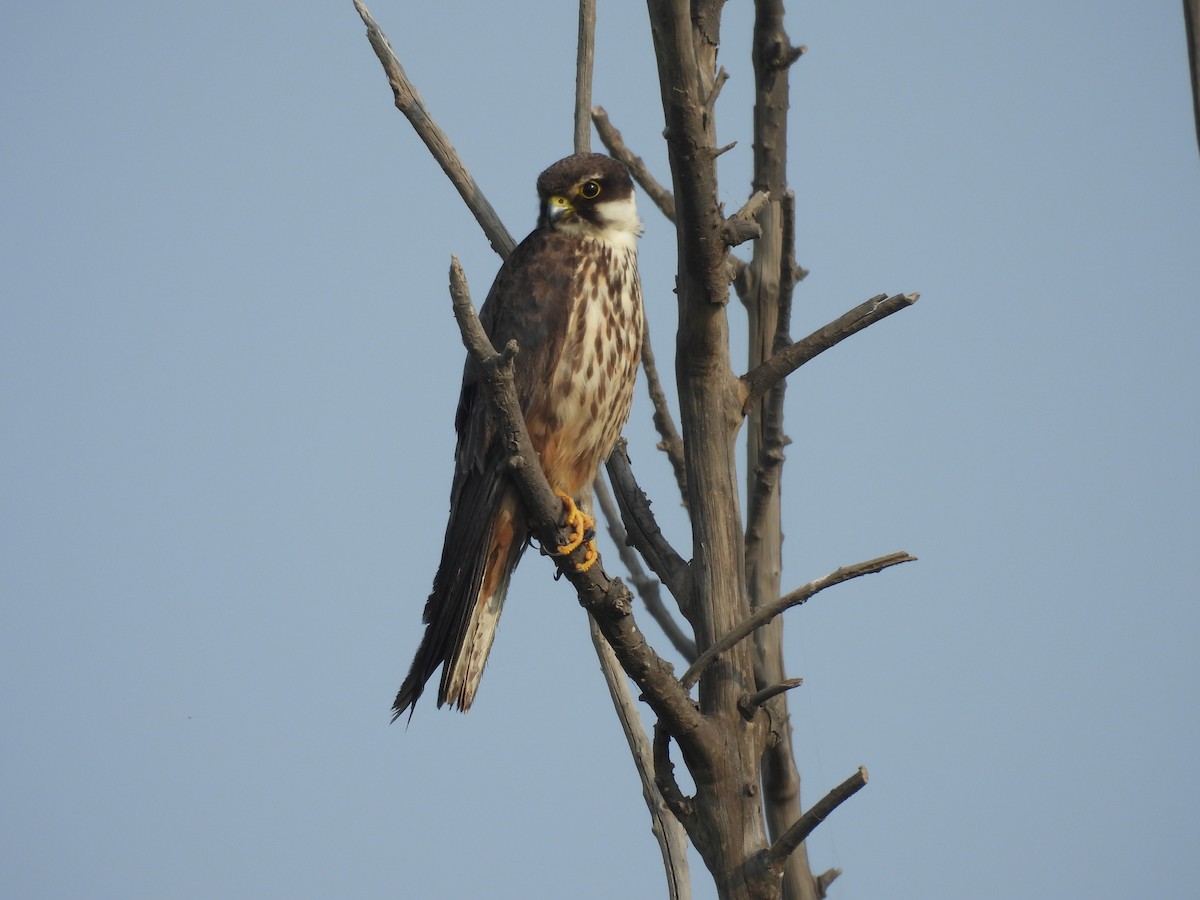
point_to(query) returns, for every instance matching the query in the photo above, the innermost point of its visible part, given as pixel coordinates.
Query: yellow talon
(581, 523)
(590, 555)
(578, 522)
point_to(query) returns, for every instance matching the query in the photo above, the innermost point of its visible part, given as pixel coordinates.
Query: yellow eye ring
(590, 190)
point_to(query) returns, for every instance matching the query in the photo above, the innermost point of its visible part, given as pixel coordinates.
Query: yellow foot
(581, 526)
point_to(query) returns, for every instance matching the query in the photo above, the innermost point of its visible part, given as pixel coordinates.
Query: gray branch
(743, 226)
(758, 381)
(1191, 25)
(765, 614)
(646, 586)
(643, 531)
(585, 55)
(409, 102)
(794, 836)
(664, 423)
(672, 840)
(751, 703)
(611, 138)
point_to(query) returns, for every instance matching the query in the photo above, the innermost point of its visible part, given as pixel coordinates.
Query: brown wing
(530, 302)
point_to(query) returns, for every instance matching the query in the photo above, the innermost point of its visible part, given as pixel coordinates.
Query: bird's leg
(583, 529)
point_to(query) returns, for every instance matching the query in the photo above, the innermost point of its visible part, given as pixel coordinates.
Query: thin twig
(672, 840)
(611, 139)
(825, 879)
(804, 826)
(710, 102)
(409, 102)
(751, 703)
(643, 531)
(766, 613)
(671, 443)
(1191, 25)
(758, 381)
(646, 586)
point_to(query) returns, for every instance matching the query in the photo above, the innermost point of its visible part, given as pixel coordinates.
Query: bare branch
(664, 777)
(825, 879)
(585, 56)
(607, 600)
(710, 102)
(671, 443)
(766, 613)
(739, 274)
(794, 836)
(644, 533)
(1191, 25)
(409, 102)
(742, 225)
(646, 586)
(672, 840)
(758, 381)
(751, 703)
(793, 54)
(611, 139)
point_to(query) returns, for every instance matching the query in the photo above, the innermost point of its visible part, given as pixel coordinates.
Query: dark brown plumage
(569, 295)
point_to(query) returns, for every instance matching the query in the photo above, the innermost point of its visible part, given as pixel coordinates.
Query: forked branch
(743, 226)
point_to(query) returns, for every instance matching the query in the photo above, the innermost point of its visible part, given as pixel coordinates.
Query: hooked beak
(558, 208)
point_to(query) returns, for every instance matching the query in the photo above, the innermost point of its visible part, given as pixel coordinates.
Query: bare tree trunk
(735, 736)
(729, 818)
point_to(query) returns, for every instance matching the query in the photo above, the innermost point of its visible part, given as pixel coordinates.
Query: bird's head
(589, 194)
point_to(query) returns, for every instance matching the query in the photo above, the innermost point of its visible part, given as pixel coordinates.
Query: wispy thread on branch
(758, 381)
(765, 614)
(795, 836)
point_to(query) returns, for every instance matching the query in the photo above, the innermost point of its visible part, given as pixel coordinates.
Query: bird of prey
(569, 295)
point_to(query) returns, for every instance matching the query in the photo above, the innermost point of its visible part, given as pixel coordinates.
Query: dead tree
(727, 714)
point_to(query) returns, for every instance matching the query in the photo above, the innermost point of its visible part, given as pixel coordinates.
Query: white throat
(619, 223)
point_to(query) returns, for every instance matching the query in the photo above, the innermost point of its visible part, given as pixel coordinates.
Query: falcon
(570, 296)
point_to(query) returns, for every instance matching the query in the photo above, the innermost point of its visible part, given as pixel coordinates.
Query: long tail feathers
(478, 558)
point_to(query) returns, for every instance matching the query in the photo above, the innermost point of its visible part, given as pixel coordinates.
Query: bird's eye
(590, 190)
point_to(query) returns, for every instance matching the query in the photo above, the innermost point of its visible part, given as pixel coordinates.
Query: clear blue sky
(228, 370)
